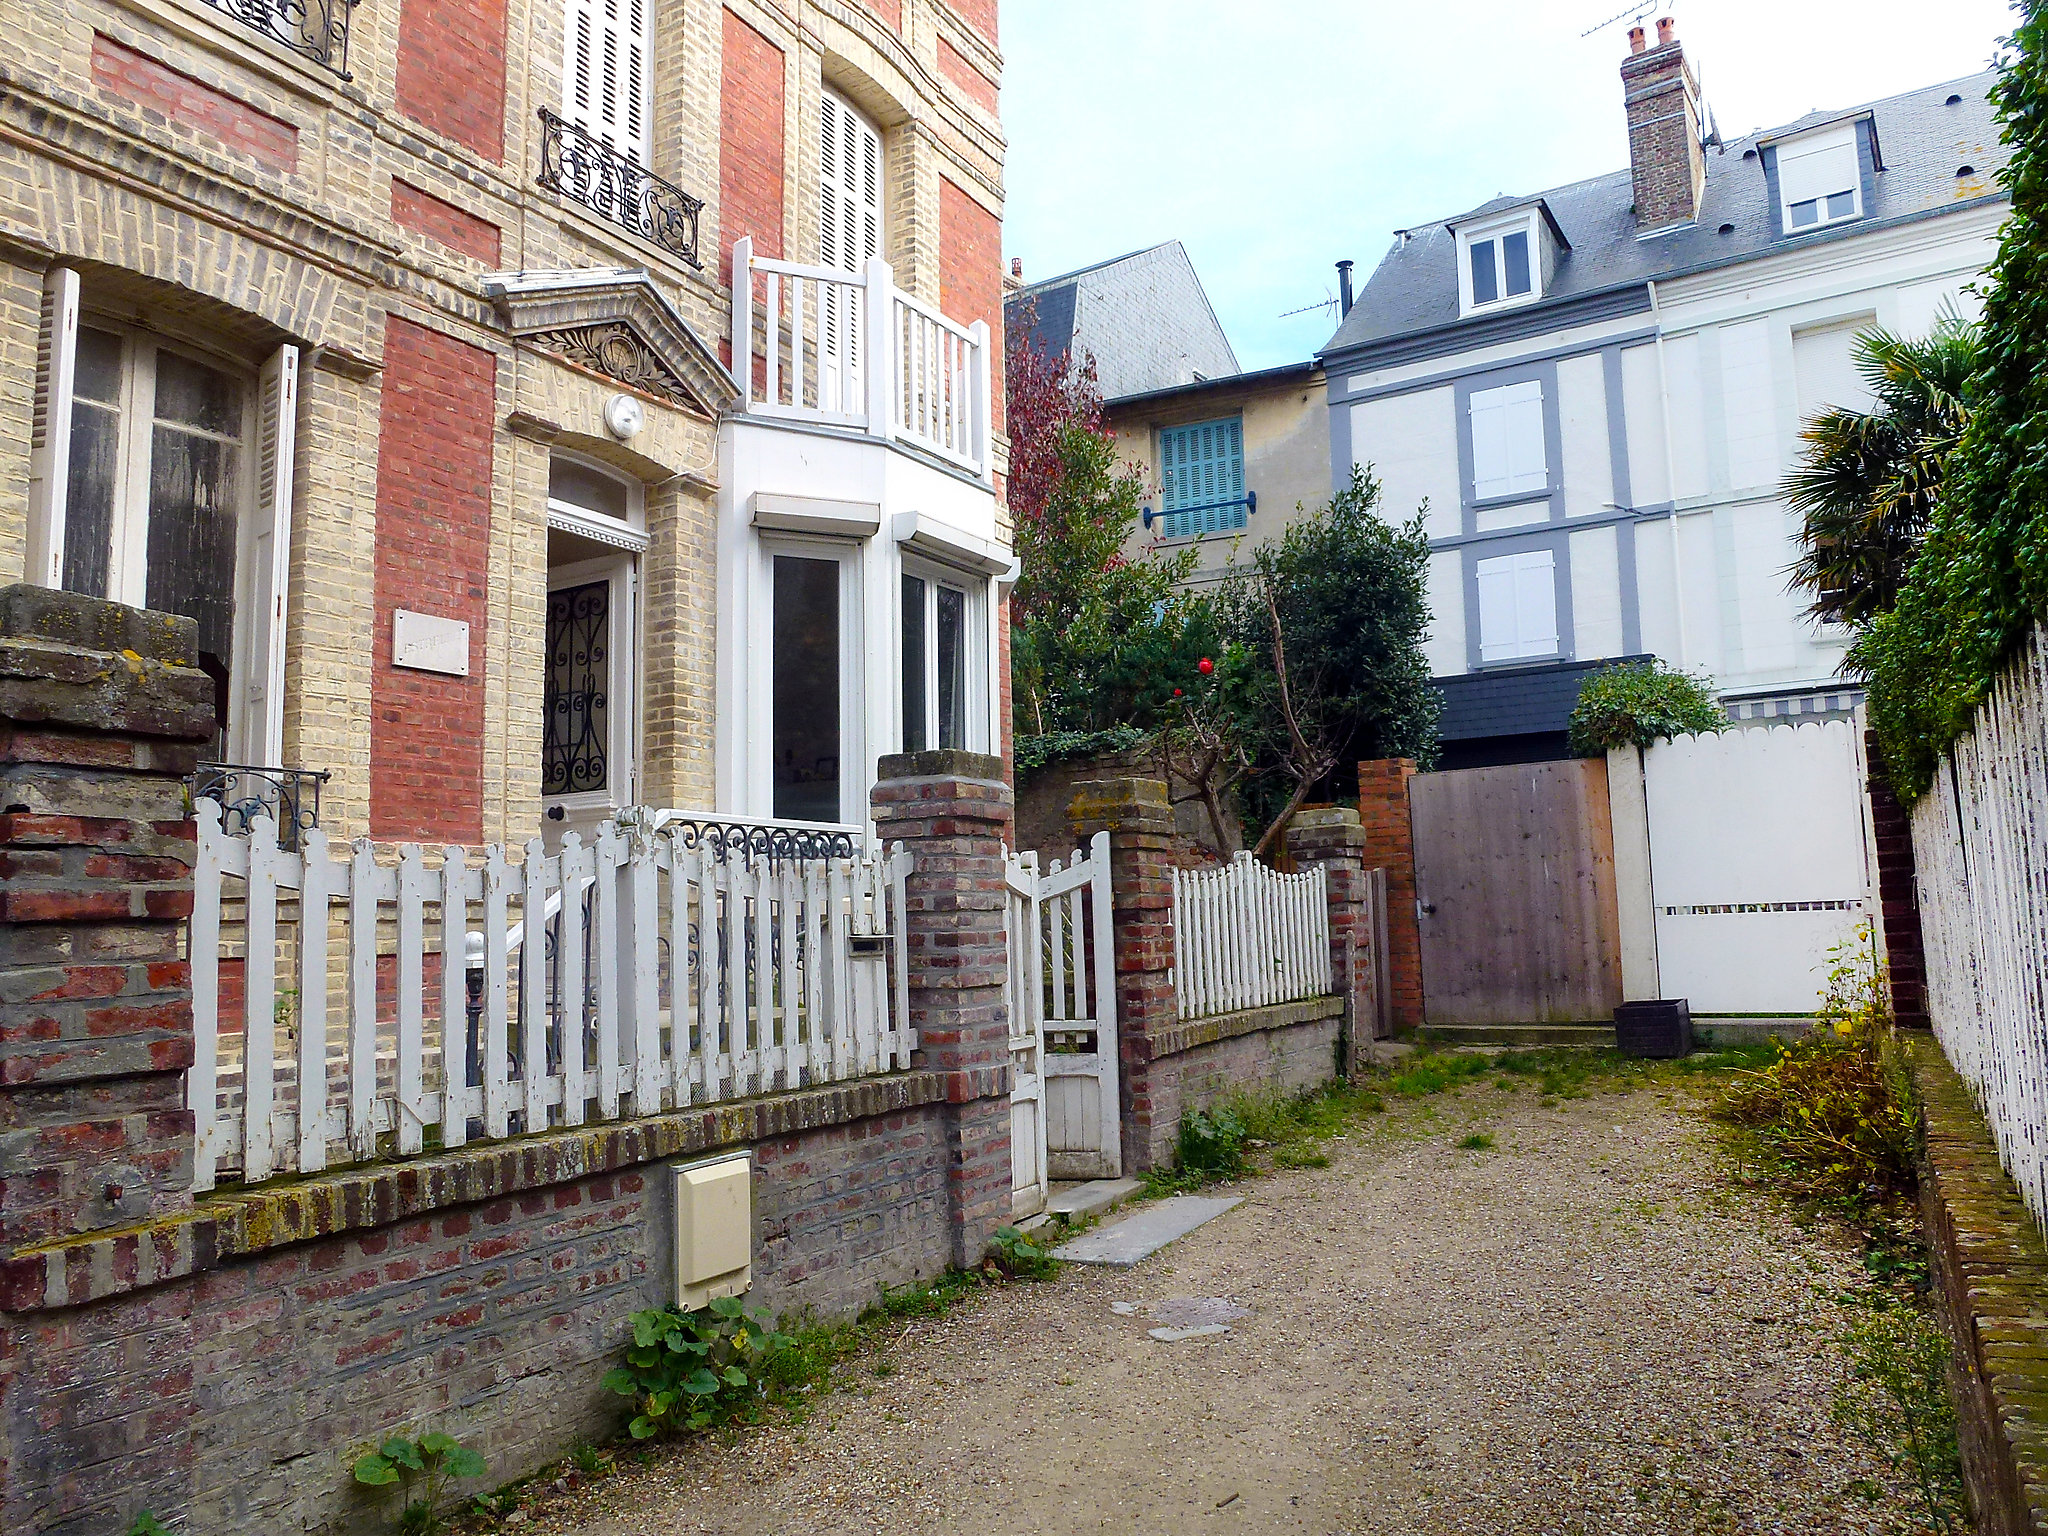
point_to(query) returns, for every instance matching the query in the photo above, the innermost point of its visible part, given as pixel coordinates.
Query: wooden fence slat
(495, 1046)
(644, 958)
(604, 963)
(259, 998)
(452, 900)
(316, 882)
(570, 985)
(202, 1080)
(362, 1000)
(533, 1017)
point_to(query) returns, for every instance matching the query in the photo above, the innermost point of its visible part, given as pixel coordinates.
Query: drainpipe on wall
(1670, 479)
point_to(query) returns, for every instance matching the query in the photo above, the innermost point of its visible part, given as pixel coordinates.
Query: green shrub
(696, 1370)
(1212, 1143)
(1633, 705)
(1016, 1257)
(421, 1470)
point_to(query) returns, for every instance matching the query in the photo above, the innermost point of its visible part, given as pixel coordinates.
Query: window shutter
(1489, 445)
(1828, 168)
(1498, 639)
(849, 230)
(1201, 470)
(50, 428)
(270, 560)
(1508, 455)
(1536, 603)
(604, 74)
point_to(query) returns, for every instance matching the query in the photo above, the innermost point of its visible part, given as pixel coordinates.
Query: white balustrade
(645, 971)
(852, 349)
(1246, 936)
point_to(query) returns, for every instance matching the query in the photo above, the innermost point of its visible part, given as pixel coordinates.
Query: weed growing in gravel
(1478, 1141)
(1224, 1142)
(1896, 1401)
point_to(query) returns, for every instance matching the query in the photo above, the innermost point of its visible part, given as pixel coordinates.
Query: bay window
(936, 686)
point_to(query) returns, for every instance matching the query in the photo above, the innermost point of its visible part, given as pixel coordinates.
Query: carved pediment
(614, 321)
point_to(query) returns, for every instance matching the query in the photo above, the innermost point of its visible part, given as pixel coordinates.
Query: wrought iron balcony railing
(589, 171)
(289, 796)
(317, 29)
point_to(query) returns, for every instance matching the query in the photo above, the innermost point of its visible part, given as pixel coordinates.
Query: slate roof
(1922, 137)
(1143, 316)
(1516, 701)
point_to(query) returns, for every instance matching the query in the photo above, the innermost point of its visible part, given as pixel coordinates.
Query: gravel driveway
(1581, 1329)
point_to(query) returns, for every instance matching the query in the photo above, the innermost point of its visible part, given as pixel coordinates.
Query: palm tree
(1866, 481)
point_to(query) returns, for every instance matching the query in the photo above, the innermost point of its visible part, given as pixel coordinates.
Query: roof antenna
(1308, 309)
(1634, 13)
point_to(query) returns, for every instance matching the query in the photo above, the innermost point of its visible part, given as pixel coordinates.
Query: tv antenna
(1634, 13)
(1309, 309)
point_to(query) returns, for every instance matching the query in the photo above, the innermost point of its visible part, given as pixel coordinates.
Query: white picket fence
(1246, 936)
(1980, 845)
(674, 969)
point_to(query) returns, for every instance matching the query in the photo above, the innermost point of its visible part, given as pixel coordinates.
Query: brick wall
(750, 157)
(220, 118)
(890, 11)
(1390, 845)
(1898, 901)
(1665, 157)
(959, 69)
(978, 14)
(433, 529)
(451, 70)
(425, 214)
(971, 273)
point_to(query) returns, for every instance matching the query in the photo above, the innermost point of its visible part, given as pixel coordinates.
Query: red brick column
(1139, 820)
(1904, 959)
(1390, 845)
(1333, 838)
(102, 709)
(950, 809)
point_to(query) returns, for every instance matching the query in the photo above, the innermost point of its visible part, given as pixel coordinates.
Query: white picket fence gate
(1064, 1119)
(1246, 936)
(675, 969)
(1980, 847)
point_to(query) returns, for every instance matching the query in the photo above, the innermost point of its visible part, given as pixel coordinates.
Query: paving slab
(1141, 1235)
(1091, 1198)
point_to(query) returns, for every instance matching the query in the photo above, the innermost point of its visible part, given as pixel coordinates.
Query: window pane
(913, 665)
(806, 705)
(575, 702)
(194, 395)
(1485, 286)
(581, 486)
(952, 644)
(192, 526)
(1841, 204)
(1514, 250)
(1805, 213)
(98, 365)
(89, 496)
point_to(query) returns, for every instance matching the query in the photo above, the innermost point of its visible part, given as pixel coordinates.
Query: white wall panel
(1645, 426)
(1411, 442)
(1596, 593)
(1444, 645)
(1824, 373)
(1656, 591)
(1688, 416)
(1748, 405)
(1771, 632)
(1582, 425)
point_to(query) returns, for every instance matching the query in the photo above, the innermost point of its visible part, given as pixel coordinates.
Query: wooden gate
(1064, 1121)
(1514, 881)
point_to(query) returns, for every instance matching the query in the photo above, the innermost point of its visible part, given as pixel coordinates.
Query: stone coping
(1991, 1272)
(233, 1223)
(1189, 1033)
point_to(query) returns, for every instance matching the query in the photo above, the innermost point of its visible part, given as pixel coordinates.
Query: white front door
(589, 746)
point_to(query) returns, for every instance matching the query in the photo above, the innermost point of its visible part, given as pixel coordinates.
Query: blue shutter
(1201, 470)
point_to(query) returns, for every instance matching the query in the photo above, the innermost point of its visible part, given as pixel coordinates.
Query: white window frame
(628, 533)
(1493, 234)
(1824, 141)
(254, 729)
(1506, 423)
(626, 122)
(622, 571)
(1527, 579)
(974, 661)
(854, 770)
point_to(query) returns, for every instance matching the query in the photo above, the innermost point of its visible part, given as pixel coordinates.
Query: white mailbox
(714, 1229)
(427, 643)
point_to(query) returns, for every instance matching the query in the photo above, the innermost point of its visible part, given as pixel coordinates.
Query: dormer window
(1820, 179)
(1502, 261)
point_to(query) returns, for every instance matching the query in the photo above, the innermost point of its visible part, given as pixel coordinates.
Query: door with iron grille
(588, 697)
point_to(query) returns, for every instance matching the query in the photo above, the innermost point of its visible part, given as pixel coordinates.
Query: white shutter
(49, 470)
(1810, 171)
(850, 211)
(607, 53)
(1517, 606)
(262, 731)
(1508, 455)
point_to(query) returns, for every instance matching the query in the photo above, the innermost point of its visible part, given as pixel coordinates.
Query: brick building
(394, 345)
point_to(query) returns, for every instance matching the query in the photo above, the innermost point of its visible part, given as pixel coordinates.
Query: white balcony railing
(854, 350)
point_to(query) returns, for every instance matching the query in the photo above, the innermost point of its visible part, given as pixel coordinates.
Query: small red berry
(1176, 693)
(1205, 666)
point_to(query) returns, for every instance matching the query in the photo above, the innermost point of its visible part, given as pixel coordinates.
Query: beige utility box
(714, 1228)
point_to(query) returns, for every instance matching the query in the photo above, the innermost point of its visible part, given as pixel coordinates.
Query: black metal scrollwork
(589, 171)
(289, 796)
(318, 29)
(726, 840)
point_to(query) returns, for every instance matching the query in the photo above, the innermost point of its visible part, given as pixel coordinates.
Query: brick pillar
(1332, 837)
(1139, 820)
(102, 712)
(950, 809)
(1899, 901)
(1390, 845)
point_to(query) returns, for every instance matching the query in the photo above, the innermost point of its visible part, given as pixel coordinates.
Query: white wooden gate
(1063, 1107)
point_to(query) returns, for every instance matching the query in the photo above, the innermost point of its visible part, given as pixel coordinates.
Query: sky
(1275, 137)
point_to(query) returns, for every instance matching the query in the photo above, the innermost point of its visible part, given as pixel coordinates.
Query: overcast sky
(1276, 137)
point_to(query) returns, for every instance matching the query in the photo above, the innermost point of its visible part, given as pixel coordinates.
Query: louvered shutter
(50, 428)
(270, 550)
(1508, 453)
(1201, 476)
(849, 230)
(604, 76)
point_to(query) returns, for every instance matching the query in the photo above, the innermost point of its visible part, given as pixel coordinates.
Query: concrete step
(1076, 1201)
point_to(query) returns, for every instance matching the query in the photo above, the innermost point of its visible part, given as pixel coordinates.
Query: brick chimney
(1665, 155)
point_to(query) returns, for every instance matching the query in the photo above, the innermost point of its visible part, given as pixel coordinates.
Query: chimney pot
(1664, 30)
(1635, 40)
(1016, 266)
(1344, 288)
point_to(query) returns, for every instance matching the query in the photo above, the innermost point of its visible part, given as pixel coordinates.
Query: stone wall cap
(1324, 816)
(940, 763)
(95, 624)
